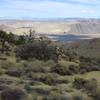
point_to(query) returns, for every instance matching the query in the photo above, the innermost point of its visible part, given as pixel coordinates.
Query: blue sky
(28, 9)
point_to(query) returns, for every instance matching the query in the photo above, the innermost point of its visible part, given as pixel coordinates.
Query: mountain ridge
(56, 26)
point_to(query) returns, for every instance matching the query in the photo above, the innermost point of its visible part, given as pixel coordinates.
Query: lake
(68, 37)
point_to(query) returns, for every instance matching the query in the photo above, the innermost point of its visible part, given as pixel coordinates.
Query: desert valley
(84, 28)
(49, 49)
(50, 59)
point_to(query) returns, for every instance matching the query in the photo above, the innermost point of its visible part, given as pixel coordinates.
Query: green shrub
(25, 68)
(6, 65)
(62, 88)
(61, 80)
(57, 96)
(8, 80)
(91, 86)
(14, 72)
(77, 96)
(66, 68)
(50, 63)
(97, 97)
(13, 94)
(87, 67)
(79, 82)
(50, 78)
(2, 71)
(42, 50)
(3, 86)
(14, 69)
(37, 66)
(47, 78)
(42, 89)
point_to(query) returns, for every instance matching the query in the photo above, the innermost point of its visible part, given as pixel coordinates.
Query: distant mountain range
(53, 26)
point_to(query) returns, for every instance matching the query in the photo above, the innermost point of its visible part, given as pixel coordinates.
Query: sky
(30, 9)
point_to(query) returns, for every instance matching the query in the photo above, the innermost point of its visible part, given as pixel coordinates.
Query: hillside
(40, 69)
(87, 48)
(43, 71)
(59, 26)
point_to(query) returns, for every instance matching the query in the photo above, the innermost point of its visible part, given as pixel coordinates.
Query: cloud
(77, 2)
(88, 11)
(80, 2)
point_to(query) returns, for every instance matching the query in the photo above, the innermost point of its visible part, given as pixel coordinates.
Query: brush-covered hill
(33, 75)
(87, 48)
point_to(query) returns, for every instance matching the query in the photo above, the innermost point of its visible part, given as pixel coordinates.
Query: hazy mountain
(54, 26)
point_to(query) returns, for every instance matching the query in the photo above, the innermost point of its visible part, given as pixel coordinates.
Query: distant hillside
(86, 48)
(59, 26)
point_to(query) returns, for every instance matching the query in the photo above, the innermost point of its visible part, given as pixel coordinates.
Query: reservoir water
(67, 37)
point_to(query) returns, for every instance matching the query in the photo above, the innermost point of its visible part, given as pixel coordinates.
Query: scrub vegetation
(34, 68)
